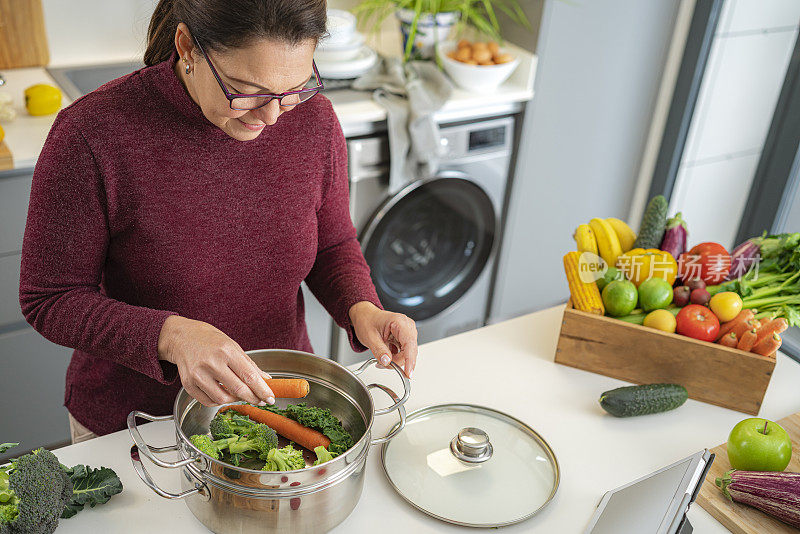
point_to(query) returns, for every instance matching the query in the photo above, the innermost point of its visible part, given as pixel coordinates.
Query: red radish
(699, 296)
(696, 284)
(773, 492)
(680, 296)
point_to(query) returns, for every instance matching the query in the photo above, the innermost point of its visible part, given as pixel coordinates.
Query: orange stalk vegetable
(288, 428)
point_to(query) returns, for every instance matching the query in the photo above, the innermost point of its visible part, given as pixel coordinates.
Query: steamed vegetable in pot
(243, 432)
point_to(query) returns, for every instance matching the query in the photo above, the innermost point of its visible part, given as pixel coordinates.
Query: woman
(171, 223)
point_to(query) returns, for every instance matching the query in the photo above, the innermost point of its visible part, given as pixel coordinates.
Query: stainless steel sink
(78, 80)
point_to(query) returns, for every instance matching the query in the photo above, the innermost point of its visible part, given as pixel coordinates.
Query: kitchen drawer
(9, 290)
(15, 190)
(32, 385)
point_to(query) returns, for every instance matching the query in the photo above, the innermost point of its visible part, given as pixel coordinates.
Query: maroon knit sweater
(141, 208)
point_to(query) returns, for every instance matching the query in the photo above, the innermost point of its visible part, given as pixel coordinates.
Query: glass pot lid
(471, 466)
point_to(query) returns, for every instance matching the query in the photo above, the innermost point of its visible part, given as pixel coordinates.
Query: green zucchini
(642, 400)
(654, 224)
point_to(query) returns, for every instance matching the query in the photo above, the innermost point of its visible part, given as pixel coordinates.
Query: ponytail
(161, 33)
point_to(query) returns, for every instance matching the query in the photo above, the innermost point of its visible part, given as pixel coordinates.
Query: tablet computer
(656, 503)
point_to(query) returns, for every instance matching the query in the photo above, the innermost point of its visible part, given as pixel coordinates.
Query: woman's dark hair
(220, 24)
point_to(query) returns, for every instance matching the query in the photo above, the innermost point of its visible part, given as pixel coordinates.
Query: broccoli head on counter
(34, 489)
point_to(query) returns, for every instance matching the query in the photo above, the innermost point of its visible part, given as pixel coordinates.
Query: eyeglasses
(243, 102)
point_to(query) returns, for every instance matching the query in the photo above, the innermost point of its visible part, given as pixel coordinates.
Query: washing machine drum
(428, 244)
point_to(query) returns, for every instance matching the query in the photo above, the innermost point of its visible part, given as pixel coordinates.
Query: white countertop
(509, 367)
(25, 136)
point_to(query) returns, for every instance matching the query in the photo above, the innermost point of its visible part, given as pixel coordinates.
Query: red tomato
(709, 262)
(698, 322)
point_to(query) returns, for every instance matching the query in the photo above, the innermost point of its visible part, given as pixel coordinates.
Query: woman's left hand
(390, 336)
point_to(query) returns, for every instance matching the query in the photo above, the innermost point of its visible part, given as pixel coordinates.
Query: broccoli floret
(206, 445)
(260, 439)
(229, 423)
(323, 455)
(41, 489)
(285, 459)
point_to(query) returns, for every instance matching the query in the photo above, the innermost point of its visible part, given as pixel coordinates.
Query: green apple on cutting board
(756, 444)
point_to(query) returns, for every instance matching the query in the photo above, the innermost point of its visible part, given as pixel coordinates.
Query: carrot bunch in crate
(744, 299)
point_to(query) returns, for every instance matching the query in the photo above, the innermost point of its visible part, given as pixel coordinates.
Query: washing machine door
(428, 244)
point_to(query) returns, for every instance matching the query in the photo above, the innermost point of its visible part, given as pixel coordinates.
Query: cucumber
(642, 400)
(654, 223)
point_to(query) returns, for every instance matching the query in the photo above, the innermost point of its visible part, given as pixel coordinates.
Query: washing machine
(432, 245)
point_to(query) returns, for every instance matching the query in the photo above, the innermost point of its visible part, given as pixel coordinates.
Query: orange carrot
(740, 329)
(288, 428)
(729, 340)
(767, 346)
(288, 388)
(764, 321)
(748, 340)
(775, 326)
(743, 317)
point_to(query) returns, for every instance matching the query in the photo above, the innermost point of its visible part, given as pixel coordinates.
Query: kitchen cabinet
(15, 189)
(32, 386)
(33, 369)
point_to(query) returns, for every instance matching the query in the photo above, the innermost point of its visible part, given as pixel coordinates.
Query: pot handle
(406, 386)
(138, 466)
(148, 451)
(400, 409)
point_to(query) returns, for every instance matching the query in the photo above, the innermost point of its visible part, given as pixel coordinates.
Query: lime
(611, 274)
(619, 297)
(654, 294)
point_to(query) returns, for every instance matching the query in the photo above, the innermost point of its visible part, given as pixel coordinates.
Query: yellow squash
(42, 99)
(584, 237)
(640, 264)
(624, 233)
(607, 240)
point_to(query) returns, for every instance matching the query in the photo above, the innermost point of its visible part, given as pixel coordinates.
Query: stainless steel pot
(230, 499)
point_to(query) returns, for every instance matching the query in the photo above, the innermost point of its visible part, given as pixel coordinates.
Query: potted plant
(426, 22)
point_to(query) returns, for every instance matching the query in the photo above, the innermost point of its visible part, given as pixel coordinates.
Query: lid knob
(471, 445)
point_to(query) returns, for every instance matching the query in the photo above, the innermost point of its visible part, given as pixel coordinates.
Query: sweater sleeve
(63, 255)
(340, 275)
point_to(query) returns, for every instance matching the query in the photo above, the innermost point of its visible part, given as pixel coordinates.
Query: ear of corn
(585, 296)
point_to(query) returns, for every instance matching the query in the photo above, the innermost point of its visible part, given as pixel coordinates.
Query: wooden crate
(710, 372)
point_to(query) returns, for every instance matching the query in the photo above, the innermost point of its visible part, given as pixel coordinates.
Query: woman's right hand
(213, 368)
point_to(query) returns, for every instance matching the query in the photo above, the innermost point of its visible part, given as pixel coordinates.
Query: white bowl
(351, 68)
(339, 51)
(474, 77)
(341, 26)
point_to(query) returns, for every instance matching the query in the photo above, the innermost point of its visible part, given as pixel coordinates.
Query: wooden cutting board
(23, 41)
(6, 159)
(740, 518)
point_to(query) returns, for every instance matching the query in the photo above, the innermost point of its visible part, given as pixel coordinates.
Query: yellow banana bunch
(584, 236)
(624, 233)
(607, 241)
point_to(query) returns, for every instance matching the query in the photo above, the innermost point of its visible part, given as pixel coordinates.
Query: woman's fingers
(252, 377)
(379, 348)
(210, 393)
(234, 386)
(405, 332)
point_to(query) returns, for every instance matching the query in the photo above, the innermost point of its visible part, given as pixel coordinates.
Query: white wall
(104, 31)
(599, 71)
(740, 88)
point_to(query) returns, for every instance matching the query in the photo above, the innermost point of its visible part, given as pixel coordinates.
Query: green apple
(757, 444)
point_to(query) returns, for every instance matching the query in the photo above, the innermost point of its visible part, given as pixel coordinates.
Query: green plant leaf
(5, 446)
(90, 486)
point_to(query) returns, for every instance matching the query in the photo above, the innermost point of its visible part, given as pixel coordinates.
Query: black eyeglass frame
(280, 96)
